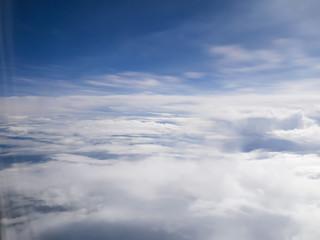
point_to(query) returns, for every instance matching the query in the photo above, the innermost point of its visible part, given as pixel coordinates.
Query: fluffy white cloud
(172, 194)
(156, 166)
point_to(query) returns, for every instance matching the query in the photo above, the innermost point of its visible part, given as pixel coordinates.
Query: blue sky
(169, 120)
(50, 46)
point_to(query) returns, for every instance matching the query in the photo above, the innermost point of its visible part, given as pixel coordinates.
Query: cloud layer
(229, 166)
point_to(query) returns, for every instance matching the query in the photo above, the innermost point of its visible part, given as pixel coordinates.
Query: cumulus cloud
(182, 199)
(233, 165)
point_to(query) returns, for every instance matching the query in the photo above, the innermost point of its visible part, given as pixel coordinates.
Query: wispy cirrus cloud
(194, 75)
(285, 55)
(138, 81)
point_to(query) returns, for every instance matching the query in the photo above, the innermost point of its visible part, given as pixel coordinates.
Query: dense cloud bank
(236, 166)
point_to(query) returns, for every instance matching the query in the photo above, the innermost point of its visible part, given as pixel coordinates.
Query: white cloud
(286, 55)
(194, 75)
(170, 191)
(190, 166)
(136, 81)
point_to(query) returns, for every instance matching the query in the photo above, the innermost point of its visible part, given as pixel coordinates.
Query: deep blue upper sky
(46, 41)
(100, 35)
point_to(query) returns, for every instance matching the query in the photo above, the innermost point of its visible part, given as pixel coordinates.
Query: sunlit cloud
(176, 166)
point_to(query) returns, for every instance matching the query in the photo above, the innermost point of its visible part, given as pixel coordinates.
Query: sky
(58, 47)
(165, 119)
